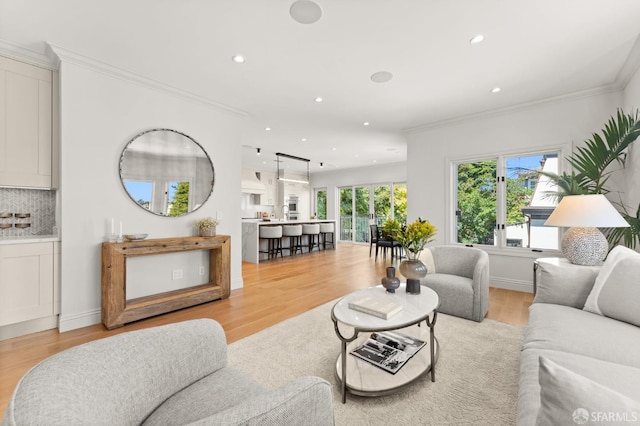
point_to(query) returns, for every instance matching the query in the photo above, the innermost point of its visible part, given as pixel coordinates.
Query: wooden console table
(117, 310)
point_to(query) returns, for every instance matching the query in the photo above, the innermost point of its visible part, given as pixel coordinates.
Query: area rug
(476, 374)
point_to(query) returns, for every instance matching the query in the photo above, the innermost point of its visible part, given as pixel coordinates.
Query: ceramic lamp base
(584, 246)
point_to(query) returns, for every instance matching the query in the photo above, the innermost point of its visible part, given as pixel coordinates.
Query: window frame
(500, 157)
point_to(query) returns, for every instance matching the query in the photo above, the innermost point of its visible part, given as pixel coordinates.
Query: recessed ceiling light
(495, 90)
(381, 76)
(375, 161)
(366, 123)
(239, 59)
(305, 12)
(267, 129)
(318, 99)
(303, 139)
(333, 149)
(476, 39)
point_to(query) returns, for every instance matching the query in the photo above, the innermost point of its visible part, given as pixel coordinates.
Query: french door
(364, 205)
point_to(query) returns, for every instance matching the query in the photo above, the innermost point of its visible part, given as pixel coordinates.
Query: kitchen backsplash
(39, 204)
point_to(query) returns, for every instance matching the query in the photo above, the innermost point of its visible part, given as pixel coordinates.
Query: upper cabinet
(269, 180)
(26, 117)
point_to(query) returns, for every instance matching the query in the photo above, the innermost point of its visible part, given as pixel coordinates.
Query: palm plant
(592, 169)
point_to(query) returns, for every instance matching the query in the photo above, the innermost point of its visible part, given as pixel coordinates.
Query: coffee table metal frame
(416, 309)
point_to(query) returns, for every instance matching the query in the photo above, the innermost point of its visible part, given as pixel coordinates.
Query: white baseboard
(27, 327)
(79, 320)
(84, 319)
(524, 286)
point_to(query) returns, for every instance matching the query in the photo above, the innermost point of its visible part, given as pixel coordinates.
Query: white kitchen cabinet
(29, 283)
(26, 117)
(271, 185)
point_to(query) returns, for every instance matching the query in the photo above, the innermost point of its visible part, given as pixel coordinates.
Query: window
(503, 201)
(321, 204)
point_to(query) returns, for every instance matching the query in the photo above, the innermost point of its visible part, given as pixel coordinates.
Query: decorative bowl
(135, 237)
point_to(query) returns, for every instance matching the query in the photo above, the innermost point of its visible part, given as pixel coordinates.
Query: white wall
(100, 113)
(632, 169)
(562, 122)
(332, 180)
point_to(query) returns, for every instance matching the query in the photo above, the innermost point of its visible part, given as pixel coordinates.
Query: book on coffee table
(380, 307)
(388, 350)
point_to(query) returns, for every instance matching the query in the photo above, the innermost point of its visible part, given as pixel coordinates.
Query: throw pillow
(615, 255)
(569, 398)
(620, 294)
(427, 258)
(562, 285)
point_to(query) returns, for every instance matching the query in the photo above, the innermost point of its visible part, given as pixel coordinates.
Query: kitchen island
(251, 244)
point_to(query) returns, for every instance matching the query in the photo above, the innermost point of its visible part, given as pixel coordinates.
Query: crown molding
(46, 60)
(596, 91)
(81, 60)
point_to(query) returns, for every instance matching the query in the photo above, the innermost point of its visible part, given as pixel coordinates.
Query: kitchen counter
(28, 239)
(251, 243)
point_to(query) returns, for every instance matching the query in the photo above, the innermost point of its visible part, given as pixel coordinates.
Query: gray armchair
(169, 375)
(460, 276)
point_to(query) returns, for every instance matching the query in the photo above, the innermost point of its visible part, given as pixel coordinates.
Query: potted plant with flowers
(413, 238)
(206, 226)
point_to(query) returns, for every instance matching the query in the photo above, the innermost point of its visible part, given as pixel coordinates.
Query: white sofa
(580, 360)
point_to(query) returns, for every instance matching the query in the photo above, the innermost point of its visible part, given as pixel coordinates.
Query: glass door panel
(362, 202)
(381, 204)
(346, 214)
(400, 202)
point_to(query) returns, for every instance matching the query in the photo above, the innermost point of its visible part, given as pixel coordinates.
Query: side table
(364, 379)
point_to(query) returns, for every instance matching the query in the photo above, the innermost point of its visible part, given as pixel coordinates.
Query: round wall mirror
(166, 172)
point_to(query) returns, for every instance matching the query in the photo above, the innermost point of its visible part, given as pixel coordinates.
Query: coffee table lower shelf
(365, 379)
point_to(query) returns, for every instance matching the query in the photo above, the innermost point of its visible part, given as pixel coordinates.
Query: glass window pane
(362, 214)
(141, 191)
(381, 204)
(476, 202)
(346, 214)
(178, 198)
(400, 202)
(321, 204)
(528, 202)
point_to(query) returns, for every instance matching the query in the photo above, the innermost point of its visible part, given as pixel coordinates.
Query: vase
(209, 231)
(391, 282)
(413, 270)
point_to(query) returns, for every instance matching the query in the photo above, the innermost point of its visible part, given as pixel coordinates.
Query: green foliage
(415, 236)
(321, 205)
(180, 202)
(592, 169)
(476, 202)
(391, 227)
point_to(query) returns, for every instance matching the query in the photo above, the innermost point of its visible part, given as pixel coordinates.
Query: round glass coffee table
(352, 327)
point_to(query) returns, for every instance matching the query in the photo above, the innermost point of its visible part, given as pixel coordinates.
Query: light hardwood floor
(273, 291)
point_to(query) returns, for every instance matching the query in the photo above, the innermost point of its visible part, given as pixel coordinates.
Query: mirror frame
(141, 134)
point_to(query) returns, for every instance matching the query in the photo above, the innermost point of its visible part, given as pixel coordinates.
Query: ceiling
(533, 50)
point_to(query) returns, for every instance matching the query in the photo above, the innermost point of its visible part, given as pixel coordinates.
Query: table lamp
(583, 243)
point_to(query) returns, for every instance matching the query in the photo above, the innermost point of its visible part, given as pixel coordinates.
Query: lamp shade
(586, 211)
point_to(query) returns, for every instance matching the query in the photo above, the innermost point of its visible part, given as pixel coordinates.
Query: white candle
(113, 230)
(120, 229)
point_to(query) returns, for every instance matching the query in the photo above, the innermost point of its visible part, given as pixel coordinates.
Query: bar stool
(294, 232)
(273, 234)
(312, 230)
(326, 229)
